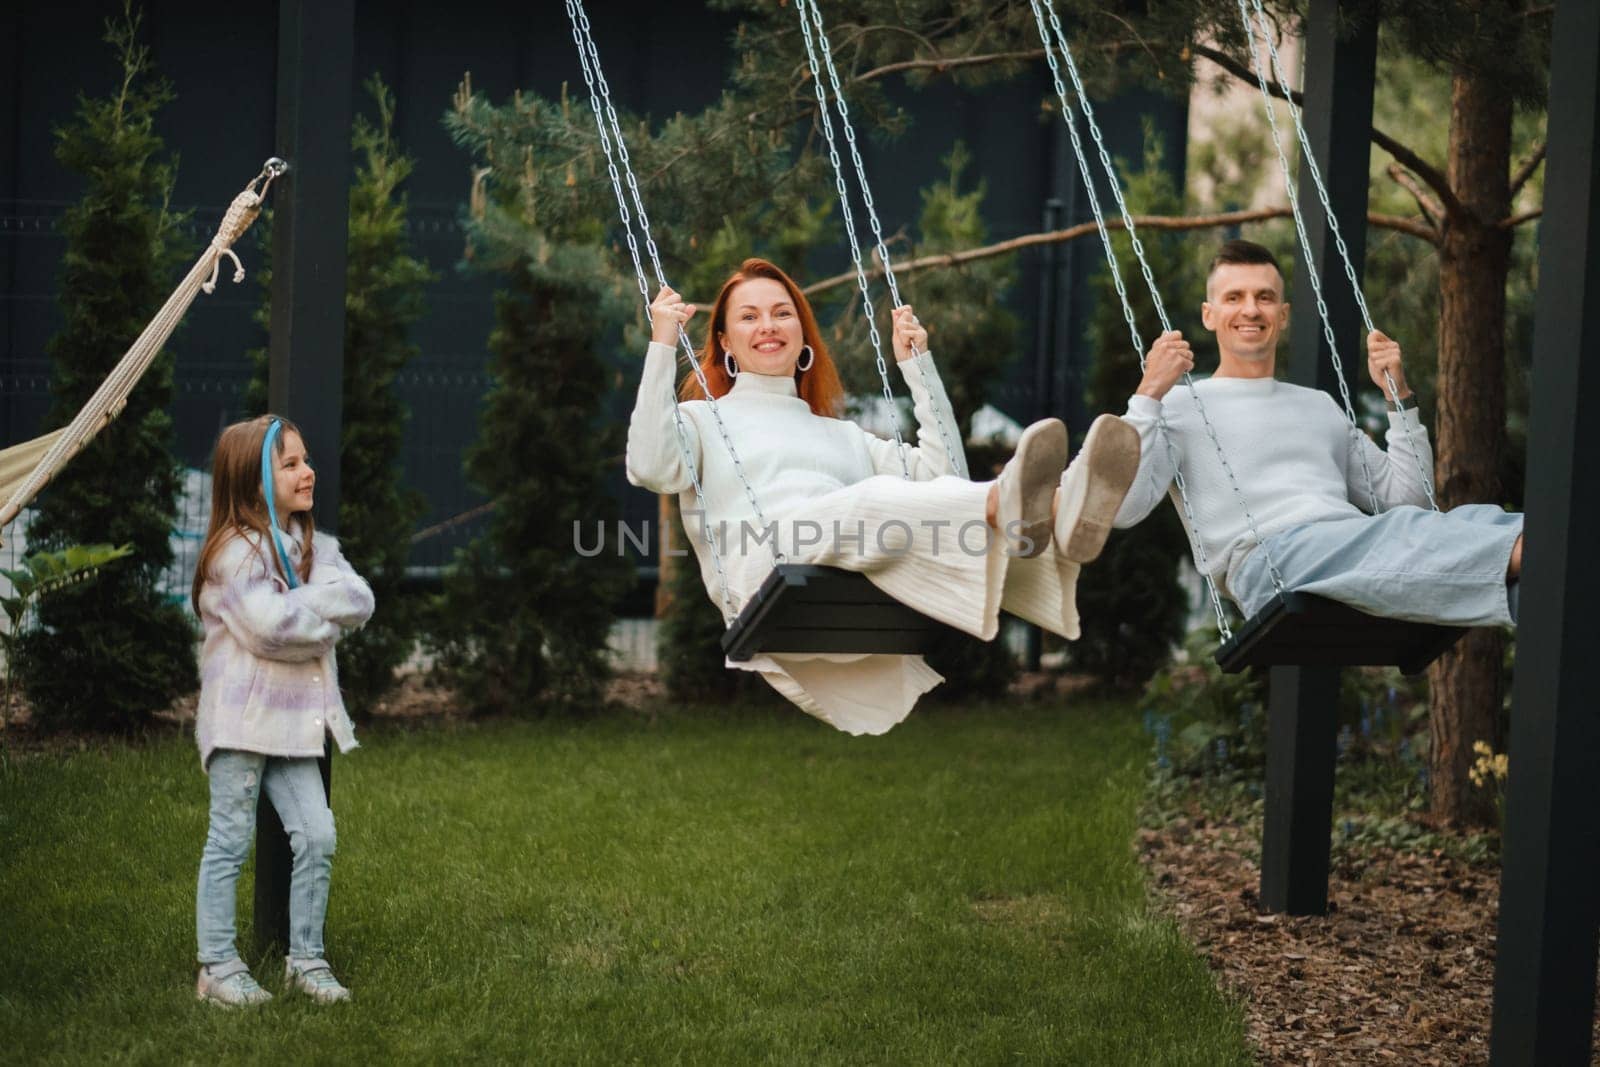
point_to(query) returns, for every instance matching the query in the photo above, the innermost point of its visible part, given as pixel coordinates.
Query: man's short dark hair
(1237, 251)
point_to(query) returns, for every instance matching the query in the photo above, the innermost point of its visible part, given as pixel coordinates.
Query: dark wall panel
(221, 63)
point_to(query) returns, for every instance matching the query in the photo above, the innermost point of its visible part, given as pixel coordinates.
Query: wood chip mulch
(1401, 970)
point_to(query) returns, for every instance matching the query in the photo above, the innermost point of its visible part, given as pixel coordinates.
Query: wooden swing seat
(1302, 630)
(806, 608)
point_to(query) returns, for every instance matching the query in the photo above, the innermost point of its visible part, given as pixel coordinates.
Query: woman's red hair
(819, 386)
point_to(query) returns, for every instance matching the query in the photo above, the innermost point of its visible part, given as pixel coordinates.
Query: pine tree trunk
(669, 541)
(1465, 684)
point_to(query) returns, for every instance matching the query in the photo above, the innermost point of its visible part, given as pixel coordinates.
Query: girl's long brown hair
(238, 507)
(819, 386)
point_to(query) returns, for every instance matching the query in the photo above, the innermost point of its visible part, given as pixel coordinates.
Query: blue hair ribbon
(272, 511)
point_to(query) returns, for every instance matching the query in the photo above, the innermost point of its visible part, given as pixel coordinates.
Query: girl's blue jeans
(295, 788)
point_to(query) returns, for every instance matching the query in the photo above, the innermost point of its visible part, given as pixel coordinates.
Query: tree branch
(1430, 207)
(1402, 155)
(940, 65)
(1082, 229)
(1411, 226)
(1518, 219)
(1167, 223)
(1526, 171)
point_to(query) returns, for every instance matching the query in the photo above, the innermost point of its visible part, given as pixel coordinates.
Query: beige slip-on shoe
(1092, 488)
(1027, 487)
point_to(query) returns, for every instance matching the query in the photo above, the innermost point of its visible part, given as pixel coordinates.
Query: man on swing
(1337, 516)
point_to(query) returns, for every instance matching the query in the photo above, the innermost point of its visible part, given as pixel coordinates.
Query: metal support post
(1304, 700)
(316, 55)
(1544, 983)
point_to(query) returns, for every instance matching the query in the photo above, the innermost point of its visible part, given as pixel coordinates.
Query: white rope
(112, 395)
(803, 8)
(1393, 391)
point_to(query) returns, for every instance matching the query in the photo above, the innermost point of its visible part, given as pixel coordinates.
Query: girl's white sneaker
(315, 979)
(229, 985)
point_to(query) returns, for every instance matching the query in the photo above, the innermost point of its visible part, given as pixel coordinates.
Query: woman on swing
(834, 495)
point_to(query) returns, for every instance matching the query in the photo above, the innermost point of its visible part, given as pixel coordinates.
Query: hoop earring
(729, 364)
(810, 358)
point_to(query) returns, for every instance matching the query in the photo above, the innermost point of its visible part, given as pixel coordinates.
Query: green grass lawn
(709, 888)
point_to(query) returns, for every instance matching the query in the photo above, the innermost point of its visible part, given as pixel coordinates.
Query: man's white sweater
(1294, 455)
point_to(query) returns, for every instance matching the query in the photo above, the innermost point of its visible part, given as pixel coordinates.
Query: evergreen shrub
(107, 653)
(524, 620)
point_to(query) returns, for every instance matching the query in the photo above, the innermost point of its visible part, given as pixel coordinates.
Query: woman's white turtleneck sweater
(1294, 455)
(788, 454)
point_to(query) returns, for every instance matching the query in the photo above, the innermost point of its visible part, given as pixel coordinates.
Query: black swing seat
(805, 608)
(1302, 630)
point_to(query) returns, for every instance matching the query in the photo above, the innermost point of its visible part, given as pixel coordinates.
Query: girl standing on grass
(273, 596)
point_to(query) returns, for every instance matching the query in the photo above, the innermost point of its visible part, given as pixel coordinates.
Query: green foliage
(1402, 272)
(709, 886)
(525, 618)
(971, 332)
(1130, 603)
(383, 299)
(107, 653)
(1206, 722)
(41, 574)
(1507, 44)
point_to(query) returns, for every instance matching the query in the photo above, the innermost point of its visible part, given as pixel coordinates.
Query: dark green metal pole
(316, 54)
(1544, 982)
(1302, 712)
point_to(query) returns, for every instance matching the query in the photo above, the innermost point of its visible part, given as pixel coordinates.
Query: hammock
(27, 468)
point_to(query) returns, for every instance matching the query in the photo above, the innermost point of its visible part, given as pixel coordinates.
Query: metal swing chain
(643, 284)
(594, 77)
(1333, 227)
(850, 231)
(1155, 294)
(661, 277)
(1306, 251)
(1192, 524)
(1058, 36)
(957, 457)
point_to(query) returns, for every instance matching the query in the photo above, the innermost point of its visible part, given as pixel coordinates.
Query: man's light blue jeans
(295, 788)
(1408, 563)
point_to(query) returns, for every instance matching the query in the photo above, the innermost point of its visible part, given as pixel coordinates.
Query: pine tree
(524, 618)
(109, 652)
(383, 299)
